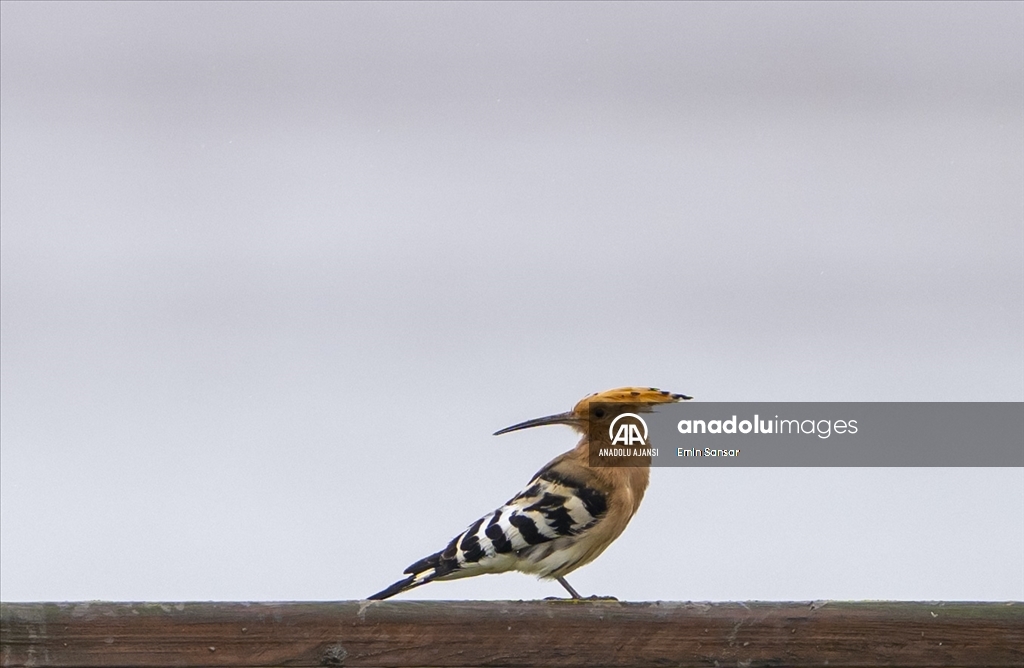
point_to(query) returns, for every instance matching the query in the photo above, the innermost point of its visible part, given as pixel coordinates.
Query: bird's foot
(581, 599)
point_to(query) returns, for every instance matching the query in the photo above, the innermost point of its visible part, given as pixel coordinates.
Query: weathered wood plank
(506, 633)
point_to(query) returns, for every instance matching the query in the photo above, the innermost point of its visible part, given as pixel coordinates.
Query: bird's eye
(599, 413)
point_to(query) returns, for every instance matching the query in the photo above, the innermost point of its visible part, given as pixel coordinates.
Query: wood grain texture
(510, 633)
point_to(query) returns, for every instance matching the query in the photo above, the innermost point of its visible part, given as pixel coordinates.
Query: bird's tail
(397, 588)
(420, 573)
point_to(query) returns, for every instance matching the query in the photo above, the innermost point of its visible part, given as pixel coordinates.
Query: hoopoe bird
(565, 517)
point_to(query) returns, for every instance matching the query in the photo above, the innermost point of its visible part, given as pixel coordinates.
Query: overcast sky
(271, 274)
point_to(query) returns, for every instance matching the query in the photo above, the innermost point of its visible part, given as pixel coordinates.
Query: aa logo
(628, 431)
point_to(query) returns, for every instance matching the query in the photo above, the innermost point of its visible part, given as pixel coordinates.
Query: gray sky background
(273, 273)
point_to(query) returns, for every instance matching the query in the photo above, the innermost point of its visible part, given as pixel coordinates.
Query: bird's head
(638, 400)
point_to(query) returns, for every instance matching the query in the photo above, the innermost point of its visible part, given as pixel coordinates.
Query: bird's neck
(614, 474)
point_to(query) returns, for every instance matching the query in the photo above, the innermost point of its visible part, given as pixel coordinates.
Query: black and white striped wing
(553, 509)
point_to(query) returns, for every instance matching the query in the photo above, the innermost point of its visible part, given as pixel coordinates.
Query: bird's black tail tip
(396, 588)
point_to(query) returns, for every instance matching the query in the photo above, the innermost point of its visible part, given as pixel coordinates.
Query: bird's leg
(568, 587)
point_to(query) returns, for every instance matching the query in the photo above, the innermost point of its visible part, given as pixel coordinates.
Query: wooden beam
(507, 633)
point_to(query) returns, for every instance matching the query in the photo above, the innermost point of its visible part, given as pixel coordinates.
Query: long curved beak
(561, 418)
